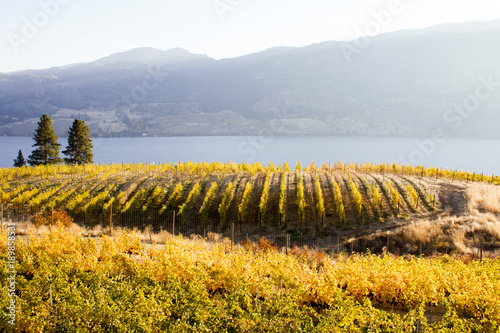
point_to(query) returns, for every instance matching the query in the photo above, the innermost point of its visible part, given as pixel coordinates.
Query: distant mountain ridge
(406, 83)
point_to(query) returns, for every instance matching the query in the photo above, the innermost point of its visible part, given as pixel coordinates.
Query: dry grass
(421, 231)
(484, 198)
(463, 233)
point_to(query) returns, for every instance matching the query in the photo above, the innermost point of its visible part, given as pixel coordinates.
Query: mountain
(406, 83)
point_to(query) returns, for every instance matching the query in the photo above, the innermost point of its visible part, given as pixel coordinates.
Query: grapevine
(376, 197)
(320, 202)
(264, 197)
(207, 202)
(226, 200)
(173, 199)
(396, 199)
(243, 206)
(300, 196)
(339, 203)
(282, 198)
(192, 196)
(413, 195)
(356, 195)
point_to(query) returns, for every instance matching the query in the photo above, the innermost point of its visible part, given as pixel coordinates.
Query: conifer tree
(79, 149)
(19, 161)
(47, 151)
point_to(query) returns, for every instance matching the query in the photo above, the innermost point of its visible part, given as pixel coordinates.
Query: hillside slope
(400, 84)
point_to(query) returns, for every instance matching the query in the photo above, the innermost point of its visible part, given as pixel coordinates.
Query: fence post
(287, 243)
(481, 249)
(387, 248)
(52, 215)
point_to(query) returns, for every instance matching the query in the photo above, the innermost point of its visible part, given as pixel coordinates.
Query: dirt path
(451, 198)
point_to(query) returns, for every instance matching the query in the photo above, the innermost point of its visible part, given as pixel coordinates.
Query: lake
(475, 155)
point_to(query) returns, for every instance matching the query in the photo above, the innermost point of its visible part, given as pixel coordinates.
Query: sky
(37, 34)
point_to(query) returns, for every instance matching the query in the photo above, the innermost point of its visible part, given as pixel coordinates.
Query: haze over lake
(475, 155)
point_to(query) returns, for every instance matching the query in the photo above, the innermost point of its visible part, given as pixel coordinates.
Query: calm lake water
(474, 155)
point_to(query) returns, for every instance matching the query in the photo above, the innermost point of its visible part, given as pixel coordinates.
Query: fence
(329, 238)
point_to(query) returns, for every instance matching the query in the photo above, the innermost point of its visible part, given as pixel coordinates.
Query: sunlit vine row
(208, 200)
(356, 196)
(192, 196)
(226, 201)
(243, 206)
(264, 197)
(320, 201)
(282, 198)
(300, 200)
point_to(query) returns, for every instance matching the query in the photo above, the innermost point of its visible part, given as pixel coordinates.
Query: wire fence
(305, 234)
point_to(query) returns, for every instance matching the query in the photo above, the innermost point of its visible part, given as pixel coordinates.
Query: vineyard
(67, 282)
(354, 207)
(242, 264)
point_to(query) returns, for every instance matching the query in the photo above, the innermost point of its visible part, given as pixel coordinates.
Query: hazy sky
(45, 33)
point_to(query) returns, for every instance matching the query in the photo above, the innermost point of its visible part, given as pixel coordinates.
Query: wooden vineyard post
(2, 210)
(287, 243)
(473, 176)
(482, 176)
(52, 215)
(173, 223)
(387, 248)
(453, 178)
(467, 179)
(437, 173)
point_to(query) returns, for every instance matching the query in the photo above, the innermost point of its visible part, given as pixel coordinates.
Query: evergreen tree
(47, 151)
(79, 149)
(19, 161)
